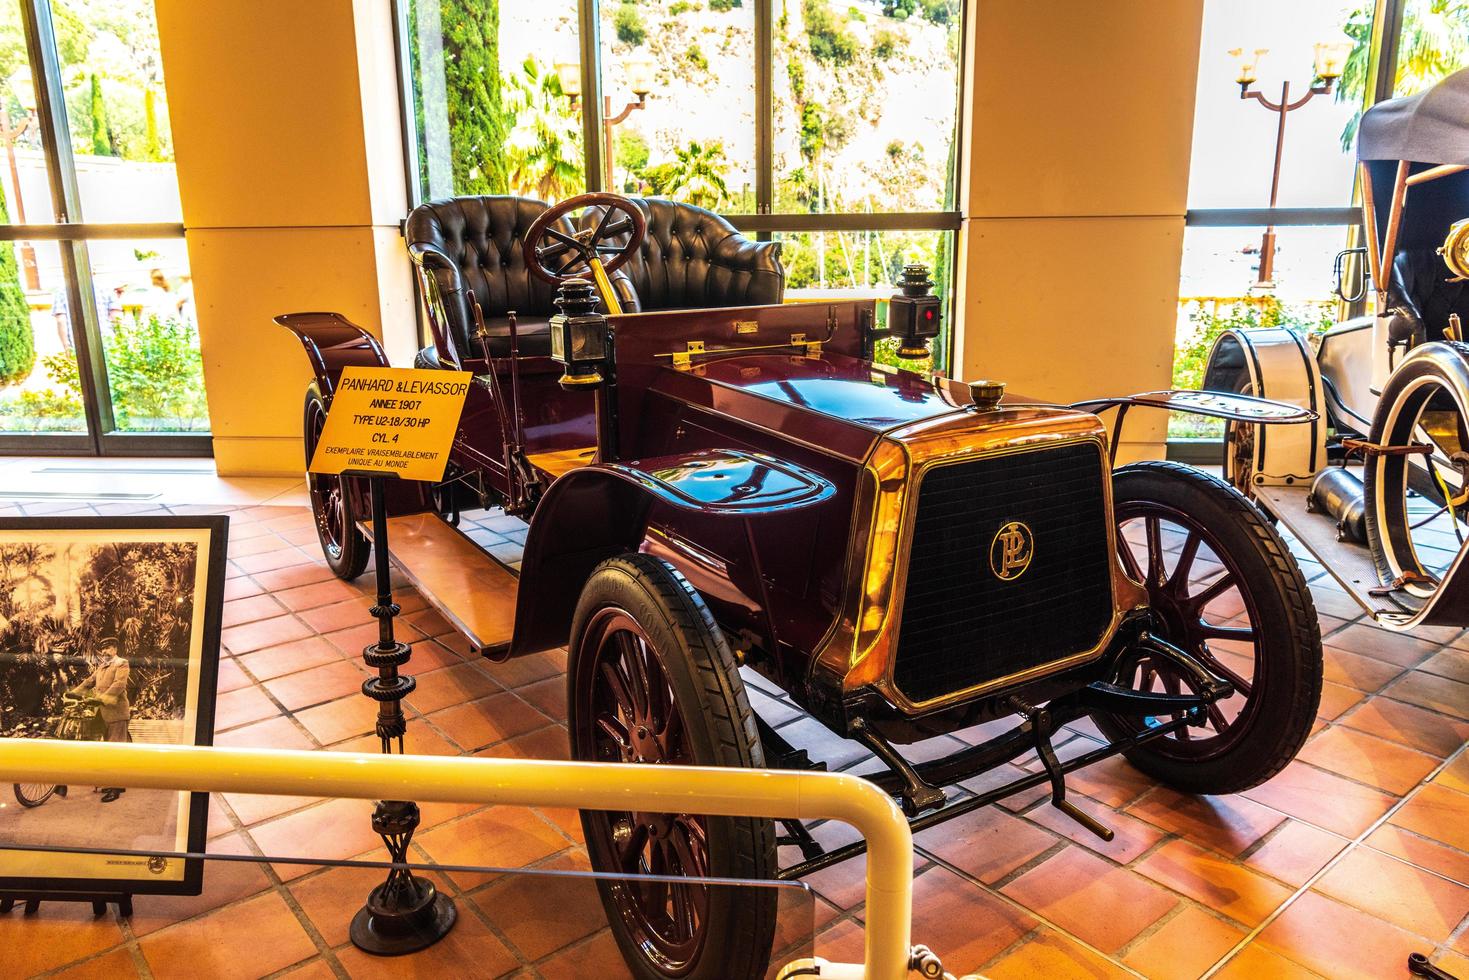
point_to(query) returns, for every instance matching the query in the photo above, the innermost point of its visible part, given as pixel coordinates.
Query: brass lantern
(579, 340)
(913, 313)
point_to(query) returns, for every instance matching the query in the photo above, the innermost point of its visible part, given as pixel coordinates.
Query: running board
(475, 593)
(1351, 565)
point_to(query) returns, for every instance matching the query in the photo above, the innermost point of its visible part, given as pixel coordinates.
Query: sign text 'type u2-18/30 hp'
(398, 421)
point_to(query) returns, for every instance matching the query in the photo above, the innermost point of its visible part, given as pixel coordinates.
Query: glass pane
(1218, 292)
(40, 385)
(1434, 44)
(865, 105)
(20, 133)
(693, 137)
(492, 114)
(1234, 139)
(823, 265)
(116, 106)
(150, 337)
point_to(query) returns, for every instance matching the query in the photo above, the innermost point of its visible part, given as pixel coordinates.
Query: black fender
(597, 512)
(333, 343)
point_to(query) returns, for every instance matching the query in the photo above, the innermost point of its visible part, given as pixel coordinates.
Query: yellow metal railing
(584, 785)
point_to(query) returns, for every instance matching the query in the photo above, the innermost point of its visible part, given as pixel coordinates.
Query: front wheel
(651, 680)
(346, 549)
(1223, 586)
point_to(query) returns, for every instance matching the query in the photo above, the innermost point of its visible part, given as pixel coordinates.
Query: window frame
(72, 233)
(765, 220)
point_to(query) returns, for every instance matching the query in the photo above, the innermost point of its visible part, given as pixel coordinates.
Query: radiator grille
(961, 624)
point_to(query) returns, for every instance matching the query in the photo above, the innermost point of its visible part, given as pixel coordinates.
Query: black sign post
(405, 913)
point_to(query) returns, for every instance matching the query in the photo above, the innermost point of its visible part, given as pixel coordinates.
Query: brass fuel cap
(986, 394)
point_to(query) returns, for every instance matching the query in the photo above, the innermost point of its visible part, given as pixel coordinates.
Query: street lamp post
(1329, 59)
(639, 79)
(10, 135)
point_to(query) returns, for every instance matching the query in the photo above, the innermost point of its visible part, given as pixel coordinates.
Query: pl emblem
(1011, 551)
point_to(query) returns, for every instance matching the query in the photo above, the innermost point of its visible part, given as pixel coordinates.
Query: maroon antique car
(723, 490)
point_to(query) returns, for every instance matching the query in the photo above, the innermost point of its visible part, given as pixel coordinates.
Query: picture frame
(109, 630)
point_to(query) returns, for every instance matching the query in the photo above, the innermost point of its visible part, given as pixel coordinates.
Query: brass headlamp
(578, 335)
(1455, 250)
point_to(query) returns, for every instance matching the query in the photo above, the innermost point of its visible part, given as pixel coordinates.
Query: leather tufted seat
(476, 243)
(1421, 284)
(689, 258)
(692, 258)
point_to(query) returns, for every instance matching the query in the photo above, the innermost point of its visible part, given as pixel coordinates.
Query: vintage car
(718, 491)
(1378, 486)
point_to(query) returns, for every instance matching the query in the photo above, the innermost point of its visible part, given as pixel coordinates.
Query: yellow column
(290, 167)
(1079, 126)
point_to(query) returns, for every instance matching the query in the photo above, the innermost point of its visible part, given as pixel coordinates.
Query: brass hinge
(813, 347)
(683, 359)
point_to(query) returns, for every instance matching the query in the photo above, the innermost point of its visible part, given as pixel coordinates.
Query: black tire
(345, 548)
(716, 727)
(1255, 733)
(33, 794)
(1420, 384)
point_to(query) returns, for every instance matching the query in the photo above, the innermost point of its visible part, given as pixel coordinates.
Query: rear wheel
(1222, 586)
(651, 680)
(33, 794)
(346, 548)
(1239, 442)
(1417, 521)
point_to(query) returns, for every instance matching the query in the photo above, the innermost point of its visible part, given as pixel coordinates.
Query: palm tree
(698, 175)
(543, 150)
(1433, 45)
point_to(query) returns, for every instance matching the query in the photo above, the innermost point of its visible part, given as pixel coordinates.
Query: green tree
(478, 118)
(17, 339)
(629, 24)
(1435, 44)
(829, 39)
(102, 141)
(899, 9)
(698, 175)
(543, 152)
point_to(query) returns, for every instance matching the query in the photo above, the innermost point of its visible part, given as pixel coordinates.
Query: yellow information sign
(392, 420)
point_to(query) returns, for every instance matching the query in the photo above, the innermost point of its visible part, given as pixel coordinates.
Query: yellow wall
(290, 166)
(1077, 140)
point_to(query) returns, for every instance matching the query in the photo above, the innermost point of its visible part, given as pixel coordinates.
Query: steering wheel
(554, 256)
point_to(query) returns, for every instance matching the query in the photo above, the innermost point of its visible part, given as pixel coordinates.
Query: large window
(99, 347)
(831, 126)
(1271, 203)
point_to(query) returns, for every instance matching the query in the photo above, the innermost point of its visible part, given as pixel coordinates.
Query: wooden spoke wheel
(346, 548)
(651, 681)
(1222, 586)
(554, 256)
(1239, 443)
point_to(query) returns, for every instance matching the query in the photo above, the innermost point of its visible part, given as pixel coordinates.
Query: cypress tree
(17, 339)
(101, 145)
(477, 122)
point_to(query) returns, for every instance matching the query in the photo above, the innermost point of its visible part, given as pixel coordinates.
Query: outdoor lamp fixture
(568, 73)
(639, 72)
(25, 93)
(913, 313)
(579, 340)
(1331, 56)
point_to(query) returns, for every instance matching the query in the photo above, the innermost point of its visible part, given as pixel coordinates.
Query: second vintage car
(719, 491)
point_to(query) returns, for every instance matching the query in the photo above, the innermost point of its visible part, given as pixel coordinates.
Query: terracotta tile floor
(1353, 857)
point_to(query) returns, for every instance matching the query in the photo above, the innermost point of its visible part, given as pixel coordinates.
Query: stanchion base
(394, 932)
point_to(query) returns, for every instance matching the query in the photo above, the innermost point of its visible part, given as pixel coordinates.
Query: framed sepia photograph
(109, 631)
